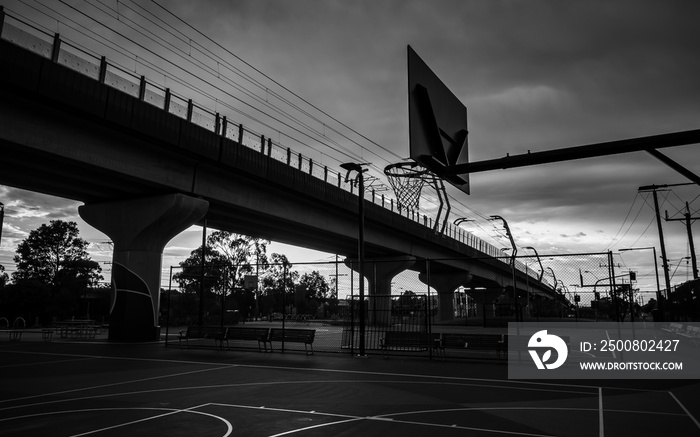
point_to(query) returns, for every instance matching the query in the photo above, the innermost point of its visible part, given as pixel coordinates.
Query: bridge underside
(65, 134)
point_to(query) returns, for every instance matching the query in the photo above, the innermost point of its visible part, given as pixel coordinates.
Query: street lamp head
(350, 166)
(461, 220)
(353, 166)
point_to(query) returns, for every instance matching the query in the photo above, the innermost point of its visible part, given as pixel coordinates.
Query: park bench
(200, 332)
(690, 332)
(47, 333)
(239, 333)
(487, 342)
(15, 332)
(408, 341)
(673, 328)
(305, 336)
(74, 329)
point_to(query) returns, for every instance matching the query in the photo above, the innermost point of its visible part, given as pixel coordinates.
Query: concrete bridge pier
(140, 229)
(484, 299)
(379, 272)
(445, 283)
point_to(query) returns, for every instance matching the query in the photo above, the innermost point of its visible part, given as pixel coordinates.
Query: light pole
(351, 166)
(554, 288)
(518, 317)
(659, 303)
(538, 260)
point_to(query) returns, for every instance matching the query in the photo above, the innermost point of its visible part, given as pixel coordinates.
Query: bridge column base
(140, 229)
(379, 272)
(484, 302)
(445, 283)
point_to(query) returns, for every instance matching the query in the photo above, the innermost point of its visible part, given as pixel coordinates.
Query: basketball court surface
(102, 389)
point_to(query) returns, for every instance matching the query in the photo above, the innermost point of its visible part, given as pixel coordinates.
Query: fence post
(311, 165)
(262, 144)
(224, 126)
(240, 134)
(269, 147)
(289, 156)
(217, 123)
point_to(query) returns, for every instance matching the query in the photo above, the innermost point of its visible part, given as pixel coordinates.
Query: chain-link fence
(408, 306)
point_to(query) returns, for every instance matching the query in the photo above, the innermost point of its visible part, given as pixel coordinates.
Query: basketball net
(407, 180)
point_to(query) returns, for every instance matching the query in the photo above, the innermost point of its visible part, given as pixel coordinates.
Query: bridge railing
(76, 57)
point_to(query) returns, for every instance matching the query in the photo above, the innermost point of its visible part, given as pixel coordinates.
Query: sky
(534, 75)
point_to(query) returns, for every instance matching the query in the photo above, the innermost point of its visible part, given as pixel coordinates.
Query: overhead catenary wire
(214, 86)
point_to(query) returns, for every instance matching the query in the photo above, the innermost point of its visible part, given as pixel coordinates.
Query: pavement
(85, 387)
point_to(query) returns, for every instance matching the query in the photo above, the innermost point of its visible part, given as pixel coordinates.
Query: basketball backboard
(437, 123)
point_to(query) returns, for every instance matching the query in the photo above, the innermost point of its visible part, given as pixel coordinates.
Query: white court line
(170, 411)
(685, 409)
(341, 371)
(133, 381)
(601, 427)
(320, 425)
(43, 363)
(247, 384)
(382, 418)
(356, 372)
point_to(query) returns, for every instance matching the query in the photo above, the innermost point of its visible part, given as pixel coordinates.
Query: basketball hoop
(407, 180)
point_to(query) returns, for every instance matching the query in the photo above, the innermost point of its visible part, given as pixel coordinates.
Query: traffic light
(633, 276)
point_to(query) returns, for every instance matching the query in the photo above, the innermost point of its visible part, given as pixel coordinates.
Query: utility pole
(664, 259)
(687, 219)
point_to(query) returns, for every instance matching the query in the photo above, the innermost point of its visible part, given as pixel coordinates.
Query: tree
(3, 276)
(53, 272)
(190, 276)
(228, 258)
(278, 279)
(54, 254)
(316, 290)
(244, 254)
(316, 286)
